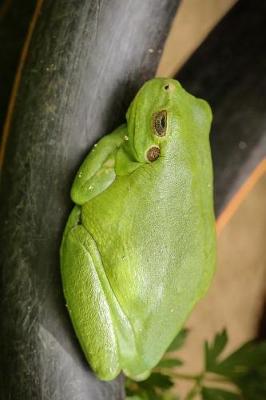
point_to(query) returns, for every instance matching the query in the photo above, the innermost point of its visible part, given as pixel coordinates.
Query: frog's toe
(138, 377)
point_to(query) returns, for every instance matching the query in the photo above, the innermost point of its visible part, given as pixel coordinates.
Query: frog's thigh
(88, 307)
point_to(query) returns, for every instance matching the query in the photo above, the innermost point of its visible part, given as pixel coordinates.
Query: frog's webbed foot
(86, 300)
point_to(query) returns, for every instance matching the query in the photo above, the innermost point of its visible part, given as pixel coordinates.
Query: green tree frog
(138, 250)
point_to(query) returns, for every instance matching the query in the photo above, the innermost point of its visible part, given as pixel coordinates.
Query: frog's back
(157, 240)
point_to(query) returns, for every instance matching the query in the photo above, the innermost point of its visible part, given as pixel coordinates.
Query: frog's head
(161, 116)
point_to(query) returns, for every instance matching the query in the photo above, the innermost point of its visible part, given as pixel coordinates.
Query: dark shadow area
(15, 16)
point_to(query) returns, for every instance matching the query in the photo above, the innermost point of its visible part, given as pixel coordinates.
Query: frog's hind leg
(86, 300)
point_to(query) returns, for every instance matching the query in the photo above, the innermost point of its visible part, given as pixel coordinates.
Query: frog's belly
(152, 244)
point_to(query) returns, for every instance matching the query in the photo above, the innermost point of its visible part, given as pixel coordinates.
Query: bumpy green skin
(139, 247)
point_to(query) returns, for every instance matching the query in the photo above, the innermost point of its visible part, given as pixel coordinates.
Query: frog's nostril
(169, 87)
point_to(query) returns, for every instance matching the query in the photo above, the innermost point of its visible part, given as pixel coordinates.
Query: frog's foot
(87, 301)
(139, 377)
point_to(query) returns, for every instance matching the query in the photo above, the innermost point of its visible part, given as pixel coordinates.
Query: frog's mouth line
(132, 142)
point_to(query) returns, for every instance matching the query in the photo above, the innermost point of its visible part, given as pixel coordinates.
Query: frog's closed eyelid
(159, 123)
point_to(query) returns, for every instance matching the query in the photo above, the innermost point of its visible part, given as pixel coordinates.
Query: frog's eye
(159, 122)
(153, 153)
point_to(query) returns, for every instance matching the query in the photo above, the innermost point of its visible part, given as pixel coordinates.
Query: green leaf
(169, 363)
(157, 380)
(178, 341)
(149, 394)
(214, 350)
(152, 394)
(218, 394)
(249, 357)
(246, 368)
(131, 387)
(170, 396)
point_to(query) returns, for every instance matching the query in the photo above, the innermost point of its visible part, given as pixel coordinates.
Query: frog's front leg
(85, 288)
(97, 172)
